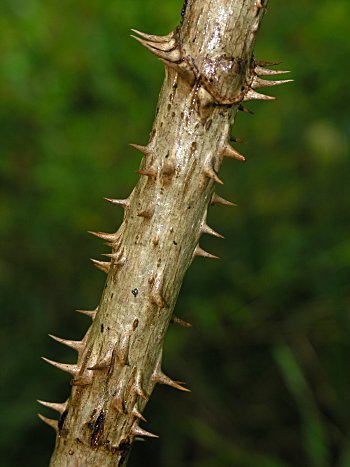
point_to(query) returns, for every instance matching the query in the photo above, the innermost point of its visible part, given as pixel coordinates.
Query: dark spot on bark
(135, 324)
(182, 115)
(108, 328)
(135, 292)
(102, 327)
(161, 124)
(62, 420)
(193, 146)
(167, 155)
(97, 429)
(169, 106)
(112, 295)
(78, 440)
(71, 452)
(188, 207)
(173, 114)
(175, 243)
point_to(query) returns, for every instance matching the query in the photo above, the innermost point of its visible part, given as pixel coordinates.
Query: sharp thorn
(76, 345)
(200, 252)
(229, 151)
(148, 172)
(252, 95)
(210, 173)
(172, 55)
(144, 149)
(138, 385)
(216, 199)
(124, 203)
(260, 71)
(90, 314)
(205, 229)
(101, 265)
(161, 378)
(116, 257)
(58, 407)
(67, 367)
(138, 414)
(261, 83)
(105, 236)
(49, 421)
(241, 108)
(122, 349)
(163, 46)
(154, 38)
(137, 431)
(117, 403)
(180, 322)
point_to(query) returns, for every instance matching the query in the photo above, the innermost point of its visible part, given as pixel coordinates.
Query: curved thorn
(180, 322)
(75, 345)
(163, 46)
(144, 149)
(49, 421)
(210, 173)
(122, 349)
(137, 431)
(200, 252)
(262, 83)
(67, 367)
(101, 265)
(58, 407)
(205, 229)
(216, 199)
(154, 38)
(229, 151)
(252, 95)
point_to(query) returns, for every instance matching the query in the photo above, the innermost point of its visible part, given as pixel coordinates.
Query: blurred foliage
(267, 357)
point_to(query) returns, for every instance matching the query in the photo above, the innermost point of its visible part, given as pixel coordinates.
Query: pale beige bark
(209, 71)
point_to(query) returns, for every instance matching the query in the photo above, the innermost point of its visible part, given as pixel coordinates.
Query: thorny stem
(209, 71)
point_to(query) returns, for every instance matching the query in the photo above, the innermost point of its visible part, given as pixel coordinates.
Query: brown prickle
(104, 236)
(229, 151)
(243, 109)
(124, 203)
(200, 252)
(154, 38)
(118, 399)
(157, 299)
(163, 46)
(137, 431)
(89, 313)
(260, 71)
(116, 257)
(58, 407)
(136, 413)
(138, 385)
(105, 362)
(262, 83)
(122, 349)
(173, 55)
(144, 149)
(49, 421)
(101, 265)
(216, 199)
(210, 173)
(180, 322)
(151, 173)
(161, 378)
(252, 95)
(75, 345)
(67, 367)
(205, 229)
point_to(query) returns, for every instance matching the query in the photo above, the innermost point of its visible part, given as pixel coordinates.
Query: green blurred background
(268, 356)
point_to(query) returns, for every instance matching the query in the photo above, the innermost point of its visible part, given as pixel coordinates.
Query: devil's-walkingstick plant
(209, 73)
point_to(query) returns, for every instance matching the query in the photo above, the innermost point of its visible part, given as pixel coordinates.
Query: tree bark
(209, 71)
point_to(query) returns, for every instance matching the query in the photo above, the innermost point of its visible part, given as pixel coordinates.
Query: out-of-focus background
(268, 357)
